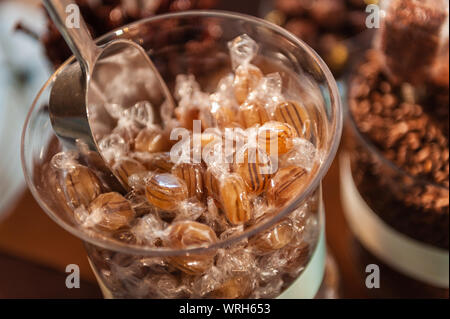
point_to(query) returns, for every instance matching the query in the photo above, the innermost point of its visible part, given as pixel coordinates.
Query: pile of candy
(245, 152)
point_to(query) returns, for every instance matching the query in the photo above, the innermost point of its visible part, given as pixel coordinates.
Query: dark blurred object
(411, 35)
(413, 134)
(105, 15)
(324, 25)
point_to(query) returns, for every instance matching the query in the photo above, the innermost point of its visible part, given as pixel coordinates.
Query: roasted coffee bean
(410, 132)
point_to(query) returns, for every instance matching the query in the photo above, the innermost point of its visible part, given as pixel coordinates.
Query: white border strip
(418, 260)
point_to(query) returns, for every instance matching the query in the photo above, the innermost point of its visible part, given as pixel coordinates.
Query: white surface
(408, 256)
(19, 54)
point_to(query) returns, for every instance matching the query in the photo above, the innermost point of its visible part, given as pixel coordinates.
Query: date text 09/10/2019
(231, 308)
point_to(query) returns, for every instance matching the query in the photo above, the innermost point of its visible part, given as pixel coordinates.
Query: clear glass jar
(394, 171)
(177, 44)
(400, 221)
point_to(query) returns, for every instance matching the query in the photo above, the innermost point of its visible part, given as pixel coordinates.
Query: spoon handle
(67, 18)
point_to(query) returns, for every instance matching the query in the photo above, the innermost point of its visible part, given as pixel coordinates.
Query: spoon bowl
(119, 73)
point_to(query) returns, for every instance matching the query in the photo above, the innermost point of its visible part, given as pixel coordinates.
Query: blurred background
(34, 251)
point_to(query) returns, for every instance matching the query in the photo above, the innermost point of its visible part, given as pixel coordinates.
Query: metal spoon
(118, 73)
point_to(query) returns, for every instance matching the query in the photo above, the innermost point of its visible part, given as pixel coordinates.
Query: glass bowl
(196, 42)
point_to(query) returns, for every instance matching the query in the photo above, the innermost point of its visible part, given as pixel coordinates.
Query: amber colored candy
(224, 116)
(207, 119)
(150, 141)
(286, 184)
(113, 211)
(235, 288)
(296, 116)
(188, 234)
(246, 80)
(277, 134)
(165, 191)
(208, 138)
(296, 257)
(187, 116)
(255, 170)
(252, 114)
(82, 186)
(127, 167)
(125, 236)
(211, 181)
(234, 199)
(159, 162)
(273, 239)
(192, 174)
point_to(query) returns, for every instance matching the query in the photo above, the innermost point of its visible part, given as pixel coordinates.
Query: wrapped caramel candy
(276, 134)
(296, 116)
(125, 236)
(234, 199)
(165, 191)
(111, 211)
(150, 140)
(273, 239)
(127, 167)
(286, 184)
(187, 116)
(224, 116)
(296, 257)
(246, 80)
(255, 168)
(252, 114)
(238, 287)
(211, 180)
(81, 186)
(156, 162)
(192, 174)
(189, 234)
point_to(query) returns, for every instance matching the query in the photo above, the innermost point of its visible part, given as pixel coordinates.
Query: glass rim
(379, 155)
(105, 242)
